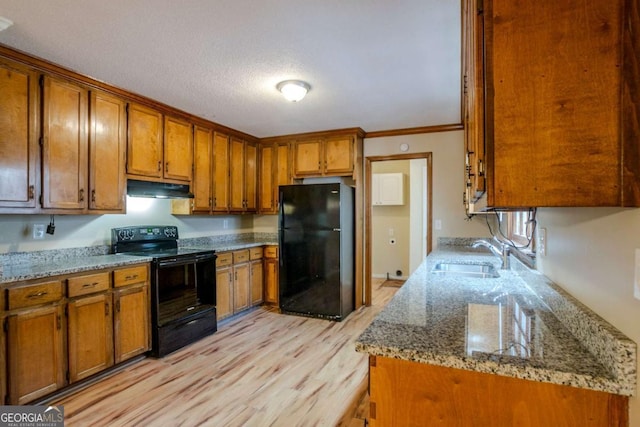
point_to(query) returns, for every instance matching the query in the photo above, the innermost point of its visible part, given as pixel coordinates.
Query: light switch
(438, 224)
(542, 241)
(391, 232)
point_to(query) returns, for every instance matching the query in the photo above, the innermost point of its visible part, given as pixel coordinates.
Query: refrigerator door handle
(337, 229)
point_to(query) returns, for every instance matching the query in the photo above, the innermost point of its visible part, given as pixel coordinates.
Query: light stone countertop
(519, 325)
(25, 266)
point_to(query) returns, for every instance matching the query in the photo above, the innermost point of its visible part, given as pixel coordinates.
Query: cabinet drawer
(255, 253)
(129, 276)
(224, 259)
(28, 296)
(88, 284)
(271, 252)
(241, 256)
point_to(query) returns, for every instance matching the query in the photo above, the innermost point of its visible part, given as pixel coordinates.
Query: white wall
(74, 231)
(591, 254)
(385, 257)
(447, 177)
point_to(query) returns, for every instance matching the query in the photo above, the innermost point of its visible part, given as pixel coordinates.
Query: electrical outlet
(636, 278)
(438, 224)
(38, 231)
(391, 232)
(225, 224)
(542, 241)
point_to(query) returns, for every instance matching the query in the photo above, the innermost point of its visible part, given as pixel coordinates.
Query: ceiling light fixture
(5, 23)
(293, 90)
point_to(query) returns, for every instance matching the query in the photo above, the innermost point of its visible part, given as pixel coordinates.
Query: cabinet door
(220, 172)
(144, 141)
(18, 136)
(90, 335)
(283, 172)
(64, 145)
(251, 177)
(36, 353)
(307, 158)
(257, 282)
(224, 292)
(202, 170)
(338, 156)
(131, 321)
(3, 358)
(241, 287)
(236, 182)
(107, 143)
(178, 149)
(271, 281)
(266, 195)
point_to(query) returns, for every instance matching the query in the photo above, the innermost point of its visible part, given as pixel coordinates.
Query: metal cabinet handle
(106, 308)
(82, 194)
(135, 276)
(89, 285)
(32, 192)
(37, 295)
(166, 167)
(159, 165)
(93, 195)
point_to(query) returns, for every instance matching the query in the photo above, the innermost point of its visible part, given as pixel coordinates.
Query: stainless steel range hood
(158, 190)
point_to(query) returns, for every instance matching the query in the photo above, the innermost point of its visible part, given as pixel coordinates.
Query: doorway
(419, 217)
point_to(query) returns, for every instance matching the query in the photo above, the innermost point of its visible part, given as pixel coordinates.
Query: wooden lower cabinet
(404, 393)
(55, 337)
(271, 275)
(90, 335)
(131, 324)
(239, 281)
(36, 353)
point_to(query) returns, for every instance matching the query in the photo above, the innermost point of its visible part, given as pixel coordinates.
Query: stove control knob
(125, 234)
(170, 232)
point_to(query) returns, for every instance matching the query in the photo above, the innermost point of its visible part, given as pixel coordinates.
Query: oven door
(184, 286)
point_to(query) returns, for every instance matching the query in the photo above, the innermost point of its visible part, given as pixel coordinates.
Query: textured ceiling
(374, 64)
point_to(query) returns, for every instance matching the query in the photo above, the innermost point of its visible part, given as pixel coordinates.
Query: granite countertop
(30, 266)
(518, 325)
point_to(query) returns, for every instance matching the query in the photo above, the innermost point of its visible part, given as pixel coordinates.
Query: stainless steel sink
(478, 271)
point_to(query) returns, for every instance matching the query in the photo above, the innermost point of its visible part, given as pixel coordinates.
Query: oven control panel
(144, 233)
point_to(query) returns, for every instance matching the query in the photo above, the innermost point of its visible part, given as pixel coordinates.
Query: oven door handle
(171, 262)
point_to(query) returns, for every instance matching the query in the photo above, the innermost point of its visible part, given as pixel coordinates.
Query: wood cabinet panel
(90, 335)
(338, 156)
(543, 145)
(36, 354)
(19, 150)
(178, 149)
(107, 145)
(236, 181)
(407, 393)
(3, 356)
(34, 294)
(257, 282)
(64, 145)
(144, 141)
(283, 171)
(203, 159)
(221, 164)
(307, 157)
(241, 287)
(131, 321)
(224, 292)
(88, 284)
(271, 266)
(266, 194)
(250, 181)
(130, 275)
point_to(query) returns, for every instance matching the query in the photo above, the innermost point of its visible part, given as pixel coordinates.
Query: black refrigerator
(316, 237)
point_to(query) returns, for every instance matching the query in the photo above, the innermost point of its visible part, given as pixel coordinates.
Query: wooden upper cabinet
(283, 171)
(266, 194)
(202, 170)
(324, 157)
(178, 149)
(251, 177)
(562, 95)
(144, 141)
(236, 182)
(18, 136)
(107, 145)
(64, 145)
(220, 172)
(473, 101)
(308, 157)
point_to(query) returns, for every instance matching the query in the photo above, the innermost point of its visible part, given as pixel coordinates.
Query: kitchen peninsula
(498, 350)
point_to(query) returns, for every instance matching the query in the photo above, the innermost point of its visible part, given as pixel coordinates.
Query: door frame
(367, 210)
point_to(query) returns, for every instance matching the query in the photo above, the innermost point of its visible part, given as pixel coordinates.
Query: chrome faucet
(503, 252)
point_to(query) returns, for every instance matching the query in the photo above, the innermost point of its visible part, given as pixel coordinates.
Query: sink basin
(478, 271)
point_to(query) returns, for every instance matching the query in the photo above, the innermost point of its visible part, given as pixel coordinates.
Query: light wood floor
(261, 369)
